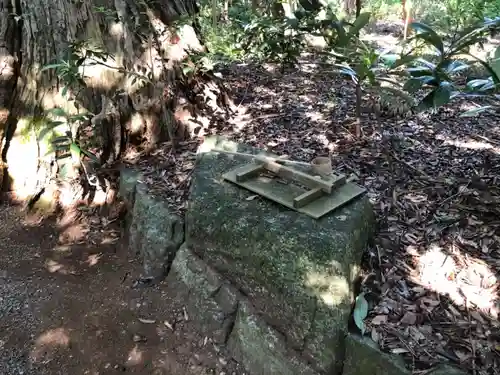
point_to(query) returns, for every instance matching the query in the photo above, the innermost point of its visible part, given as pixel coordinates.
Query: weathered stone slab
(298, 272)
(210, 300)
(222, 313)
(363, 357)
(155, 234)
(262, 349)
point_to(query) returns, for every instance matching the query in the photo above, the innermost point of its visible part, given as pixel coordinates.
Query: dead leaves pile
(167, 174)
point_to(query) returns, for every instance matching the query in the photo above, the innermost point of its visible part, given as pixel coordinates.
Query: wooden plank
(252, 171)
(306, 198)
(285, 194)
(295, 175)
(329, 203)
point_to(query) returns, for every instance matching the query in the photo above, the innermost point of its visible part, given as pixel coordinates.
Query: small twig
(409, 165)
(400, 337)
(244, 96)
(452, 196)
(486, 139)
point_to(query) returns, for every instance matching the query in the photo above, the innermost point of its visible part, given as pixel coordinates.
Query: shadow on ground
(70, 304)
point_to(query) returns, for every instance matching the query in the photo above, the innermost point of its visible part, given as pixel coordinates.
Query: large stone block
(363, 357)
(226, 316)
(210, 300)
(298, 272)
(261, 348)
(155, 234)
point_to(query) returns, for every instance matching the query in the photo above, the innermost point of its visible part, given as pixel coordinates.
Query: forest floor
(69, 304)
(434, 181)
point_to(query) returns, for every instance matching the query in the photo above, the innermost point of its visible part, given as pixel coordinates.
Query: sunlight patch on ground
(472, 144)
(54, 266)
(331, 289)
(49, 342)
(466, 280)
(135, 357)
(93, 259)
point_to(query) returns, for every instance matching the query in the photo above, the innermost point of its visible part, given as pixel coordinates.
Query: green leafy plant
(437, 76)
(360, 312)
(364, 64)
(274, 40)
(197, 63)
(66, 145)
(71, 69)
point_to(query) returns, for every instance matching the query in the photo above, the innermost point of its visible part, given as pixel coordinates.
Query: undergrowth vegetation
(430, 66)
(425, 70)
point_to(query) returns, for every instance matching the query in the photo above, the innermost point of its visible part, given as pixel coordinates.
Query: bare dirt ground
(69, 304)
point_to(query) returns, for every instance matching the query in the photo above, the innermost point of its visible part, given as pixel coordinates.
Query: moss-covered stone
(209, 300)
(261, 348)
(297, 271)
(155, 234)
(363, 357)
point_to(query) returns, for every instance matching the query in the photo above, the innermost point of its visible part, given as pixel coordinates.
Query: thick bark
(139, 41)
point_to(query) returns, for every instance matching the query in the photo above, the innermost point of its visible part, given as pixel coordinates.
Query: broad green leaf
(341, 33)
(404, 60)
(442, 94)
(360, 312)
(420, 71)
(428, 80)
(467, 38)
(475, 111)
(359, 23)
(52, 66)
(61, 139)
(429, 65)
(429, 35)
(75, 151)
(64, 91)
(480, 84)
(456, 66)
(50, 127)
(91, 156)
(54, 124)
(494, 76)
(495, 62)
(61, 147)
(427, 102)
(81, 117)
(413, 85)
(57, 112)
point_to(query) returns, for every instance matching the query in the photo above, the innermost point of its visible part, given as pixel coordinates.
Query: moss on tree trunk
(137, 89)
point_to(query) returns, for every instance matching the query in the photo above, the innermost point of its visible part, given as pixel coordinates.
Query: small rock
(222, 361)
(139, 338)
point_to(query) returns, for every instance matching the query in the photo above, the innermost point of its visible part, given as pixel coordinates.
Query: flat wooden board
(285, 194)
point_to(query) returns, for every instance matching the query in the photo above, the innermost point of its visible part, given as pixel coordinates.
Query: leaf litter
(432, 273)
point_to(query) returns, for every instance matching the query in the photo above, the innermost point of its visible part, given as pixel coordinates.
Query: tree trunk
(128, 59)
(349, 6)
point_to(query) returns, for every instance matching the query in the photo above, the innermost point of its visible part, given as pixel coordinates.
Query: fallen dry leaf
(147, 321)
(379, 319)
(409, 318)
